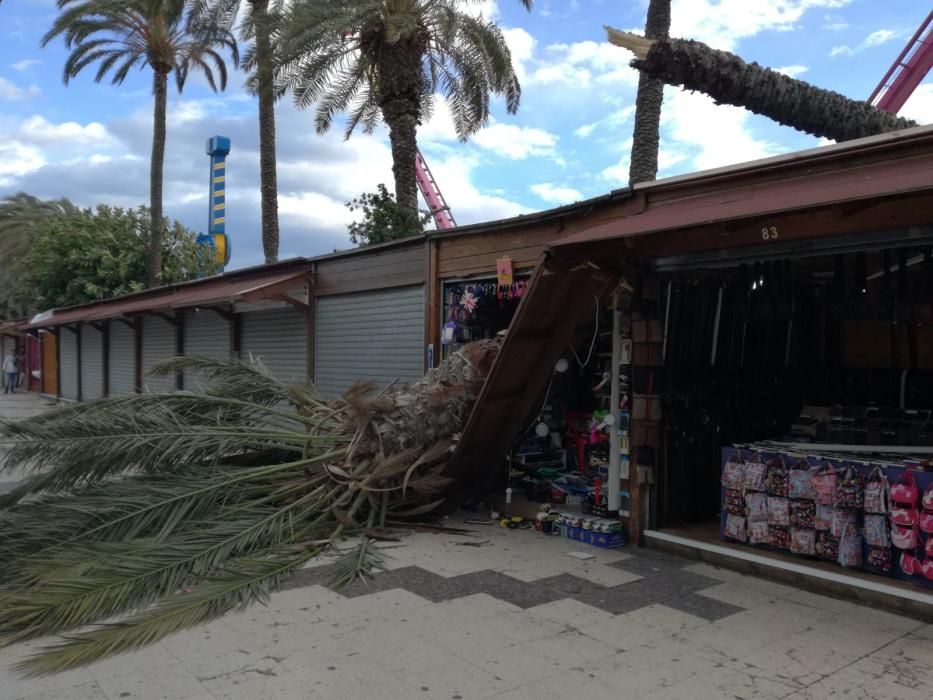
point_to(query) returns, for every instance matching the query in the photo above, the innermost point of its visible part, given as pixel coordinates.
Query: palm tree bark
(156, 165)
(647, 134)
(268, 186)
(400, 90)
(728, 79)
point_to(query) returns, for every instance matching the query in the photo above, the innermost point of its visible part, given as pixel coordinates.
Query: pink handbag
(905, 490)
(733, 473)
(876, 492)
(756, 473)
(926, 522)
(850, 548)
(800, 485)
(929, 548)
(927, 569)
(928, 498)
(907, 516)
(910, 565)
(904, 537)
(824, 484)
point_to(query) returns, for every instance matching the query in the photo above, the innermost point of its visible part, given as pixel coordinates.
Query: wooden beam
(138, 354)
(105, 358)
(172, 320)
(179, 350)
(78, 348)
(56, 331)
(128, 322)
(300, 305)
(226, 314)
(311, 320)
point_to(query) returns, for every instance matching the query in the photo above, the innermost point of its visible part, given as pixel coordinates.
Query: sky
(570, 140)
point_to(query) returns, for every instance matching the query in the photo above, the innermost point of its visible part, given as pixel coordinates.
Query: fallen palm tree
(729, 80)
(150, 513)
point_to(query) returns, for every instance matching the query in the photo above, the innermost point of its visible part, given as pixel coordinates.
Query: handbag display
(824, 484)
(880, 558)
(735, 503)
(876, 492)
(904, 515)
(778, 511)
(780, 536)
(827, 546)
(927, 569)
(928, 498)
(735, 528)
(876, 531)
(850, 490)
(910, 565)
(803, 514)
(803, 541)
(850, 548)
(841, 520)
(824, 517)
(758, 532)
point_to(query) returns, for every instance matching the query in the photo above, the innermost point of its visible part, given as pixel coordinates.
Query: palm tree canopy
(119, 35)
(333, 53)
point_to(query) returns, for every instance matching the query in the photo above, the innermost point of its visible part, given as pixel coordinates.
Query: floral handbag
(803, 514)
(799, 483)
(803, 541)
(850, 548)
(758, 532)
(841, 520)
(780, 536)
(735, 528)
(824, 484)
(777, 478)
(827, 546)
(876, 492)
(735, 504)
(876, 530)
(824, 517)
(778, 511)
(733, 473)
(905, 490)
(756, 473)
(880, 558)
(905, 537)
(756, 505)
(850, 490)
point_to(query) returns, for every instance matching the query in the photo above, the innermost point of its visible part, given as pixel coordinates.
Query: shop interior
(815, 359)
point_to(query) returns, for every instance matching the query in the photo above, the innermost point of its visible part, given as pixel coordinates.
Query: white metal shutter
(68, 364)
(121, 364)
(371, 336)
(280, 338)
(158, 345)
(92, 363)
(206, 334)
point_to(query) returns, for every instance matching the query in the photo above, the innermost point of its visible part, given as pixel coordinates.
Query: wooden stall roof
(14, 327)
(248, 284)
(879, 174)
(396, 264)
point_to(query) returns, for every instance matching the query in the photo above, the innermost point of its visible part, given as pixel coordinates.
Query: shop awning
(215, 291)
(13, 327)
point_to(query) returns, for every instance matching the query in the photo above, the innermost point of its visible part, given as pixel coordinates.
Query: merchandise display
(870, 515)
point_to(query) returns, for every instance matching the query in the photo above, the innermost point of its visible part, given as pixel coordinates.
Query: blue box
(608, 540)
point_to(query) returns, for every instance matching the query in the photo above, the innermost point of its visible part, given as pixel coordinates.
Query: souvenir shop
(797, 396)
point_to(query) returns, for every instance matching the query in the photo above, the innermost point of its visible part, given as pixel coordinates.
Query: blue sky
(570, 139)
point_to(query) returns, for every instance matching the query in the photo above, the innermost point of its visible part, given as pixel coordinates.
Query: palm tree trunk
(268, 187)
(647, 135)
(400, 90)
(728, 79)
(160, 93)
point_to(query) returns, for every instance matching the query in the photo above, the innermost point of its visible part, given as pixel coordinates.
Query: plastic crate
(607, 540)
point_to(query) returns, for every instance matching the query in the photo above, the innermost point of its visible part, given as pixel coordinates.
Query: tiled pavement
(517, 618)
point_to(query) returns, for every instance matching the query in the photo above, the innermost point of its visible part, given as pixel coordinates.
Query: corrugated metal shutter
(92, 363)
(158, 344)
(207, 334)
(280, 338)
(68, 364)
(121, 364)
(372, 336)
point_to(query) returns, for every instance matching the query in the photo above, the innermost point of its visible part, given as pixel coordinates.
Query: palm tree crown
(389, 57)
(119, 35)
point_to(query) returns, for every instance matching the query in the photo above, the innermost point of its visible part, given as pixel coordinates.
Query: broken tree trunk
(728, 79)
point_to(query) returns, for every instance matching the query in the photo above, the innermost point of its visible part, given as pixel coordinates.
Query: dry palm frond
(166, 511)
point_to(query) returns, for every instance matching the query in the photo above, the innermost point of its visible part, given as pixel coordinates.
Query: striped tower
(217, 148)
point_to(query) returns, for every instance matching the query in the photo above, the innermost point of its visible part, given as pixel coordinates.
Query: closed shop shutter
(121, 364)
(92, 363)
(68, 359)
(158, 345)
(371, 336)
(207, 334)
(280, 338)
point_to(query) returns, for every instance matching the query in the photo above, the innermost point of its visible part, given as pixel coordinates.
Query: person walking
(10, 373)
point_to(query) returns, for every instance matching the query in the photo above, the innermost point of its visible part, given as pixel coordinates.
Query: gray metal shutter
(92, 363)
(121, 364)
(371, 336)
(280, 338)
(207, 334)
(158, 344)
(68, 364)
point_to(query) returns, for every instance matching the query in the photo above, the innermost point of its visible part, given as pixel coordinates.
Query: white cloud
(18, 159)
(522, 47)
(618, 174)
(614, 120)
(582, 63)
(723, 23)
(37, 130)
(456, 176)
(793, 71)
(13, 93)
(920, 105)
(516, 142)
(556, 194)
(25, 64)
(582, 132)
(876, 38)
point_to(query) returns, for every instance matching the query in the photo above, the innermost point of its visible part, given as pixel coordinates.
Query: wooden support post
(179, 347)
(236, 323)
(58, 361)
(432, 296)
(138, 354)
(105, 357)
(311, 320)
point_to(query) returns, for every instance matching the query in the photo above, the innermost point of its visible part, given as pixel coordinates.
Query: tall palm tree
(388, 58)
(646, 138)
(21, 215)
(119, 35)
(257, 26)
